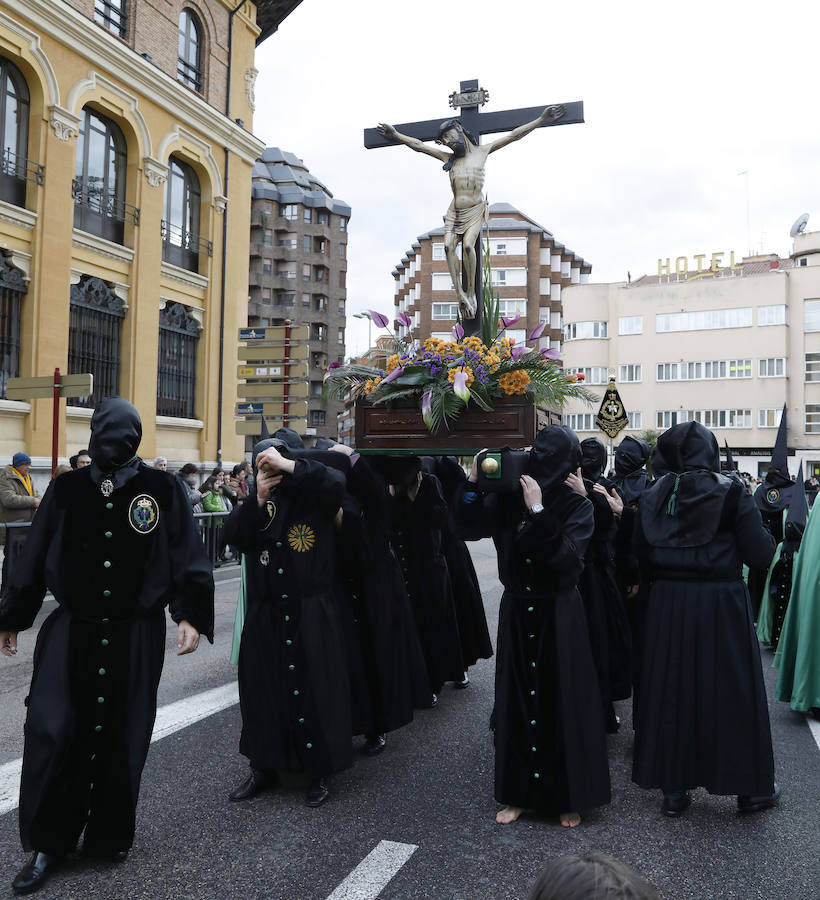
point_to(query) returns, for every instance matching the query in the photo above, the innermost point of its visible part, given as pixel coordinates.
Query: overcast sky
(679, 98)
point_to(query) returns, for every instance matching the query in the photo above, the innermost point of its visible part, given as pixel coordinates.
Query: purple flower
(550, 354)
(396, 373)
(378, 319)
(426, 408)
(457, 331)
(460, 388)
(403, 319)
(517, 352)
(537, 332)
(509, 321)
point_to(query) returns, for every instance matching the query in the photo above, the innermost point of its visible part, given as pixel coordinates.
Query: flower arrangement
(446, 375)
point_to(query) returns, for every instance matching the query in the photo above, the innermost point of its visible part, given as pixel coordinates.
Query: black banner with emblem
(612, 417)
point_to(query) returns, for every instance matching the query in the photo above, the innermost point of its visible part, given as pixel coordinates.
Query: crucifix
(464, 160)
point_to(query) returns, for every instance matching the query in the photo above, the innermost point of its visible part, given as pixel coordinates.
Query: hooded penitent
(555, 453)
(290, 437)
(775, 493)
(116, 432)
(593, 459)
(630, 476)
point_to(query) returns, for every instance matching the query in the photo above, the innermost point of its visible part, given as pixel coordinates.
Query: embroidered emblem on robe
(143, 514)
(301, 538)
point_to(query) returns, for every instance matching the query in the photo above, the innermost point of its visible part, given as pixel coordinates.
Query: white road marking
(370, 877)
(170, 718)
(814, 727)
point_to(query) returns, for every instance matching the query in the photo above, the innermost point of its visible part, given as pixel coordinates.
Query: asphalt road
(431, 788)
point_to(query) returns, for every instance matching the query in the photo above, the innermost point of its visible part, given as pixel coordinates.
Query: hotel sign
(682, 264)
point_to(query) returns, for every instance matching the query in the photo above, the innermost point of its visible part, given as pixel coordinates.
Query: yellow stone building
(125, 190)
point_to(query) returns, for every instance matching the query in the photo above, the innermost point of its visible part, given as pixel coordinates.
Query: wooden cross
(468, 100)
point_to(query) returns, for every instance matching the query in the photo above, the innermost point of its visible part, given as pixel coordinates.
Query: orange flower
(466, 369)
(392, 362)
(371, 384)
(514, 382)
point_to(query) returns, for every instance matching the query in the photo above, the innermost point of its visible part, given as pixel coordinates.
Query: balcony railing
(15, 171)
(183, 248)
(101, 212)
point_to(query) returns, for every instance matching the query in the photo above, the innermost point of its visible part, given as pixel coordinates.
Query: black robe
(112, 569)
(470, 615)
(703, 713)
(293, 677)
(415, 532)
(550, 744)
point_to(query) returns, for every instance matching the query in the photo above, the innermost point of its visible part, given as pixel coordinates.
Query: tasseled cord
(671, 502)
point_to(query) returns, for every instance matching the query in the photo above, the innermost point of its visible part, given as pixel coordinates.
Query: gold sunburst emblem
(301, 538)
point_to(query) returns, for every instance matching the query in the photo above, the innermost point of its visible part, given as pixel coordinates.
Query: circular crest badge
(772, 495)
(143, 514)
(301, 538)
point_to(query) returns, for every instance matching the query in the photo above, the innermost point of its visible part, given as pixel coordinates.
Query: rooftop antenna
(799, 226)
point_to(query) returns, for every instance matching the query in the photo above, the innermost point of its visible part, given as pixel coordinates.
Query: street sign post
(54, 386)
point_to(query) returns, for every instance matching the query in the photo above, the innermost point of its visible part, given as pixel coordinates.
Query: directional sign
(271, 390)
(271, 409)
(277, 333)
(254, 426)
(297, 370)
(43, 386)
(273, 354)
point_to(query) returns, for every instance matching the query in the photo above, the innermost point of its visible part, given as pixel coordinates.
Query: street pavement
(424, 809)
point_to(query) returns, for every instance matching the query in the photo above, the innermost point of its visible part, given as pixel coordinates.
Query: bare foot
(570, 819)
(508, 815)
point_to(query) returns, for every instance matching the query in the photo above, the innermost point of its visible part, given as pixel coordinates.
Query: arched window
(99, 184)
(14, 111)
(95, 322)
(12, 290)
(189, 64)
(176, 364)
(180, 227)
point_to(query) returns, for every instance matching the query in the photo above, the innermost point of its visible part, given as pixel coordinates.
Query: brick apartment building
(298, 267)
(529, 268)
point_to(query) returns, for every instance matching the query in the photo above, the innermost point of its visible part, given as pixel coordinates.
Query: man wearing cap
(18, 503)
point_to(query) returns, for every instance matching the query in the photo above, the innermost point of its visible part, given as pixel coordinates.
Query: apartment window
(635, 421)
(500, 249)
(712, 369)
(15, 169)
(306, 270)
(445, 311)
(438, 251)
(111, 14)
(580, 421)
(813, 418)
(711, 418)
(286, 271)
(320, 303)
(323, 218)
(771, 315)
(441, 281)
(307, 216)
(812, 367)
(341, 308)
(342, 224)
(630, 325)
(12, 291)
(592, 374)
(316, 389)
(99, 184)
(306, 247)
(267, 266)
(512, 307)
(267, 237)
(266, 296)
(342, 278)
(305, 301)
(319, 273)
(94, 326)
(189, 63)
(319, 245)
(811, 315)
(288, 242)
(289, 211)
(341, 251)
(176, 362)
(666, 418)
(772, 367)
(317, 417)
(341, 336)
(180, 229)
(630, 372)
(703, 320)
(585, 331)
(285, 299)
(769, 418)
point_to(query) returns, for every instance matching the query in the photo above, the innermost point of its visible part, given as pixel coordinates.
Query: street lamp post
(366, 315)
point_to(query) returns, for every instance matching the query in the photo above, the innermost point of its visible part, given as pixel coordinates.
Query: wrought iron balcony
(101, 212)
(15, 171)
(183, 248)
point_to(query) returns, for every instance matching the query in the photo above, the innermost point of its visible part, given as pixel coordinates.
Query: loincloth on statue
(459, 221)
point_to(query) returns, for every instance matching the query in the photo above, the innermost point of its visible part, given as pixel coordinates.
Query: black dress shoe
(675, 804)
(34, 873)
(746, 804)
(318, 792)
(254, 784)
(465, 682)
(374, 744)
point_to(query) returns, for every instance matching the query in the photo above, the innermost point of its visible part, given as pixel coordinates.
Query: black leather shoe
(675, 804)
(746, 804)
(317, 793)
(254, 784)
(374, 744)
(34, 873)
(465, 682)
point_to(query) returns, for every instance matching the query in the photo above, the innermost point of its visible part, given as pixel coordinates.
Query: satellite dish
(800, 225)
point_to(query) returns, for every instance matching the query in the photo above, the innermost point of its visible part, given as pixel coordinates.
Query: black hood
(593, 459)
(689, 446)
(796, 516)
(658, 464)
(116, 432)
(778, 474)
(630, 456)
(555, 453)
(290, 438)
(266, 443)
